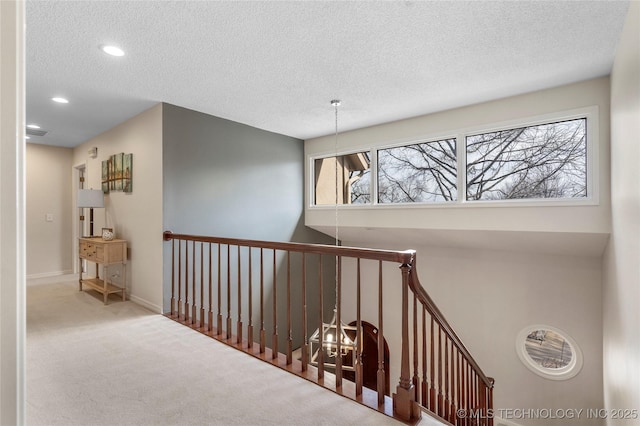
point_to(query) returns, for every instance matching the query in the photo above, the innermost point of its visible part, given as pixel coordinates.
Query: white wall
(12, 214)
(479, 264)
(621, 286)
(135, 216)
(583, 220)
(488, 297)
(49, 183)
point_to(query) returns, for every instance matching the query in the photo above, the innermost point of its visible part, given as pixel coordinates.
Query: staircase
(267, 298)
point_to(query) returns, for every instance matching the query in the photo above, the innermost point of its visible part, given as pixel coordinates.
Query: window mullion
(374, 176)
(461, 157)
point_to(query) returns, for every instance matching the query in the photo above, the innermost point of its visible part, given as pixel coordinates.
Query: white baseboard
(143, 302)
(49, 275)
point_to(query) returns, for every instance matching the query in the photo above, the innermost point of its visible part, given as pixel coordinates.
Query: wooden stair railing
(212, 277)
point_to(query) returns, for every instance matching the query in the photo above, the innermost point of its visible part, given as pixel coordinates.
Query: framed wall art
(117, 173)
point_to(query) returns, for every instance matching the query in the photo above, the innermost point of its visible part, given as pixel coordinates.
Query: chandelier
(326, 340)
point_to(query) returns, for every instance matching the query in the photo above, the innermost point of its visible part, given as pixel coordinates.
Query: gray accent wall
(231, 180)
(226, 179)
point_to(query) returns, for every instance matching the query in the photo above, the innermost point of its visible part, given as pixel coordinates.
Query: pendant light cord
(336, 104)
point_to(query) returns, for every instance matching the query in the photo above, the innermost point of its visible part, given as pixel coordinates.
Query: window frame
(312, 179)
(590, 113)
(413, 142)
(564, 373)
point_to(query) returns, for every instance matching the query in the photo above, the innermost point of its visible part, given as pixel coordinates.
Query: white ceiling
(277, 65)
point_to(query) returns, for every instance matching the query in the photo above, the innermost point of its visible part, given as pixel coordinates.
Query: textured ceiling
(276, 65)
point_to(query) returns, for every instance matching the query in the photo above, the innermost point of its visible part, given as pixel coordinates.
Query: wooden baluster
(440, 396)
(250, 326)
(263, 333)
(274, 340)
(481, 401)
(490, 401)
(452, 389)
(173, 278)
(461, 400)
(462, 404)
(210, 322)
(465, 391)
(289, 332)
(338, 323)
(404, 399)
(432, 384)
(459, 387)
(476, 388)
(320, 358)
(202, 321)
(471, 393)
(228, 330)
(194, 311)
(219, 289)
(425, 397)
(381, 378)
(359, 336)
(180, 302)
(186, 281)
(472, 389)
(239, 323)
(446, 378)
(305, 337)
(416, 377)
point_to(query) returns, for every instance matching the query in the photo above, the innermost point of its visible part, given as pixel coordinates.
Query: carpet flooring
(120, 364)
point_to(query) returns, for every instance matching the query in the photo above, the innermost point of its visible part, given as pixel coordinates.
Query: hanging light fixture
(327, 339)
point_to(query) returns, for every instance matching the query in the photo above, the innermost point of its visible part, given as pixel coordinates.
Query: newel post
(404, 400)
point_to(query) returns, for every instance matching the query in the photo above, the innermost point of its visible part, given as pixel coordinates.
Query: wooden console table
(104, 253)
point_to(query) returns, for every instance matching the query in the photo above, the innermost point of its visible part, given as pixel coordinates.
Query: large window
(545, 160)
(424, 172)
(345, 179)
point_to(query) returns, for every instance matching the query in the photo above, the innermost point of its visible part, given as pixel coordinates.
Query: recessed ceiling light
(33, 126)
(60, 100)
(112, 50)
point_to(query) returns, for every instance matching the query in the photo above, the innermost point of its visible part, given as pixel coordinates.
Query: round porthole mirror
(549, 352)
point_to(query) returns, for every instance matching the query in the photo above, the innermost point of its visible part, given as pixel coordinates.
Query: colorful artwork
(117, 173)
(127, 170)
(105, 176)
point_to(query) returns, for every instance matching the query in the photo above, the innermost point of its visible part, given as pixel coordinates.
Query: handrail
(460, 385)
(427, 302)
(405, 256)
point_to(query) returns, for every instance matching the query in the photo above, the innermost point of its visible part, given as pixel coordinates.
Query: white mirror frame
(564, 373)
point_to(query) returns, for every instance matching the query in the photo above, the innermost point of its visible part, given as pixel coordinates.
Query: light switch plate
(49, 217)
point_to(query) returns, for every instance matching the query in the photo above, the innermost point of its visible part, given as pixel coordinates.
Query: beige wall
(12, 214)
(594, 219)
(478, 264)
(49, 183)
(621, 286)
(135, 216)
(488, 297)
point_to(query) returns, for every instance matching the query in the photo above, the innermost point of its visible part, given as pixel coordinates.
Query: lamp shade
(93, 198)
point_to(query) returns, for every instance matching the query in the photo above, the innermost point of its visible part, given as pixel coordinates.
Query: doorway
(370, 359)
(79, 224)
